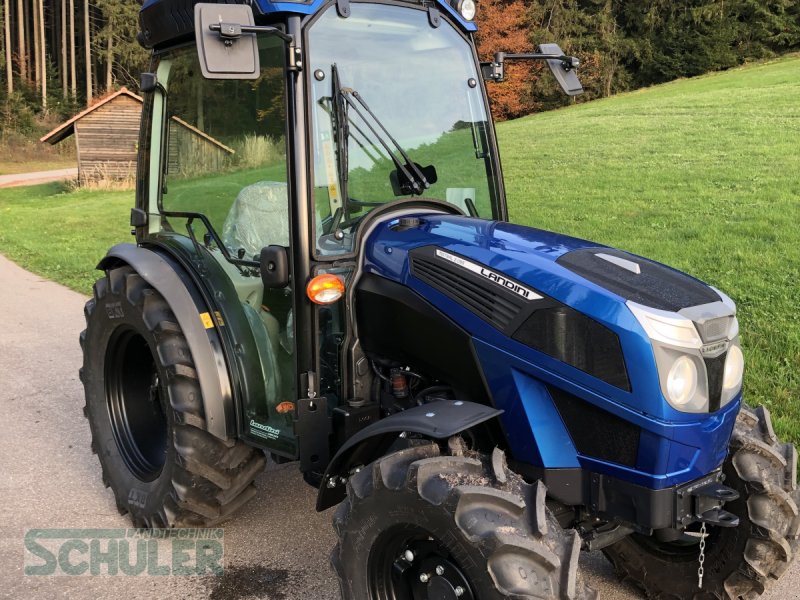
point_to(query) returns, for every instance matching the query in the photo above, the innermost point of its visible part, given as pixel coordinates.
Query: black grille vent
(486, 299)
(595, 432)
(715, 368)
(575, 339)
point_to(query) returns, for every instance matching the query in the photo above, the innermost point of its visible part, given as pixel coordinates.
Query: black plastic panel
(657, 285)
(395, 322)
(575, 339)
(595, 432)
(715, 367)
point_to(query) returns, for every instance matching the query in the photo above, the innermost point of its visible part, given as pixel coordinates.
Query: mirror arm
(233, 31)
(495, 71)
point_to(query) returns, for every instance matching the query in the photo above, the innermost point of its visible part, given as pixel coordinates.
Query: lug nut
(424, 577)
(459, 591)
(408, 555)
(440, 570)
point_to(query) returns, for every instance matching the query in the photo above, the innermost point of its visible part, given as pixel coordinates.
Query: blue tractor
(324, 272)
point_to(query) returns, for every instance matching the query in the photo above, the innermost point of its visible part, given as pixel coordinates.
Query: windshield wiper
(341, 134)
(415, 179)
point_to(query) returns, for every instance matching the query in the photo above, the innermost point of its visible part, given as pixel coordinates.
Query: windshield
(397, 112)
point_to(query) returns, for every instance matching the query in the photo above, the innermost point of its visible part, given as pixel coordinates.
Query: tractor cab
(271, 133)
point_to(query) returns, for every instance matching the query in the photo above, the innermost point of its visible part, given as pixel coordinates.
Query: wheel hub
(441, 579)
(412, 565)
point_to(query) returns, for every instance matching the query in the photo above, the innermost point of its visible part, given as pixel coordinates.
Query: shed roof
(67, 128)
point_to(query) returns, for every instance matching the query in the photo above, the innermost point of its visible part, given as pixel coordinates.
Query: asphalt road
(19, 179)
(276, 548)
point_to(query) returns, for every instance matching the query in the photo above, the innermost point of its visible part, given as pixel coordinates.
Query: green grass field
(701, 174)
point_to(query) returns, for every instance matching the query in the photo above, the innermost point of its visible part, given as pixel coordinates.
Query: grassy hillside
(702, 174)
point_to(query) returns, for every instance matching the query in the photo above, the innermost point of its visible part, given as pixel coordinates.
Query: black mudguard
(437, 420)
(204, 341)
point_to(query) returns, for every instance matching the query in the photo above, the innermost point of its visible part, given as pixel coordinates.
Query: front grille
(486, 299)
(714, 329)
(715, 369)
(595, 432)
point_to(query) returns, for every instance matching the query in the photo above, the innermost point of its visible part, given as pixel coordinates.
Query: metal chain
(702, 559)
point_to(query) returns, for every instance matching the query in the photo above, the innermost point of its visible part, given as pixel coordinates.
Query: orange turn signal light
(325, 289)
(284, 407)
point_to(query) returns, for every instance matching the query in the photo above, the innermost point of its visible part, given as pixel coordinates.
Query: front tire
(145, 409)
(417, 525)
(740, 561)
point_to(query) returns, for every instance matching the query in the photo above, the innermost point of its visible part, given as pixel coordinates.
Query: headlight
(689, 347)
(733, 373)
(466, 9)
(682, 382)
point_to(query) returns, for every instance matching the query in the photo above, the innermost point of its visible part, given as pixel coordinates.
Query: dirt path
(20, 179)
(276, 548)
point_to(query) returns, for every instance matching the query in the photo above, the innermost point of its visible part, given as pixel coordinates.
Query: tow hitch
(702, 501)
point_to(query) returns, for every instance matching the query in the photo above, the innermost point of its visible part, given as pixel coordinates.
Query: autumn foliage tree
(503, 25)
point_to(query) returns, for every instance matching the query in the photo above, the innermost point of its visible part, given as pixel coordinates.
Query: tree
(64, 73)
(73, 80)
(503, 26)
(116, 39)
(87, 44)
(21, 54)
(43, 55)
(37, 67)
(7, 47)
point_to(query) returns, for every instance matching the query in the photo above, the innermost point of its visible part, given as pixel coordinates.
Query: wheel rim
(407, 563)
(135, 404)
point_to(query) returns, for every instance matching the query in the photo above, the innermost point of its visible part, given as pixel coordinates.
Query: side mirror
(563, 70)
(224, 50)
(274, 262)
(148, 82)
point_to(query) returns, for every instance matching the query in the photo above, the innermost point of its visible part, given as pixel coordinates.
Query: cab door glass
(224, 192)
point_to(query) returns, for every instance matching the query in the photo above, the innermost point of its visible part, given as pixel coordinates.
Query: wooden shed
(107, 136)
(192, 152)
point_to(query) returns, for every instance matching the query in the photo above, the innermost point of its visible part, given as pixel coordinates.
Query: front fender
(437, 420)
(204, 342)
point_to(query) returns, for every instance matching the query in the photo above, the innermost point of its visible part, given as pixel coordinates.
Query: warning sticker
(208, 322)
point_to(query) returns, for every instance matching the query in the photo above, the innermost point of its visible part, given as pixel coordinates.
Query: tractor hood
(517, 288)
(533, 261)
(558, 331)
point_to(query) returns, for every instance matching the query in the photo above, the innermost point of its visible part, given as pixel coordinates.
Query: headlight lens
(682, 382)
(467, 9)
(734, 371)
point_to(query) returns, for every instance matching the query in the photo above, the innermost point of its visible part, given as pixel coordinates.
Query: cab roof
(165, 22)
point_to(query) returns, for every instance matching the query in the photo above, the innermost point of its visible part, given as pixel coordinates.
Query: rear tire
(145, 409)
(739, 561)
(493, 540)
